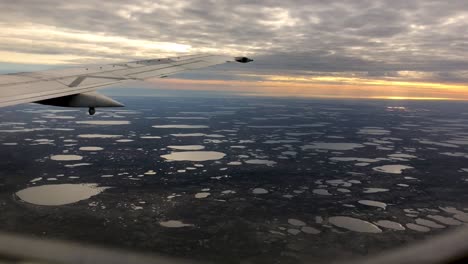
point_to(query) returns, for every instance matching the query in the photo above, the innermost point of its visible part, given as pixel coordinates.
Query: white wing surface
(73, 87)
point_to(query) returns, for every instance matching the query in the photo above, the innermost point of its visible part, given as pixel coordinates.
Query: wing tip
(243, 59)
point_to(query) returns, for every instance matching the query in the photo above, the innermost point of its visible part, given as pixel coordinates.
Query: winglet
(243, 59)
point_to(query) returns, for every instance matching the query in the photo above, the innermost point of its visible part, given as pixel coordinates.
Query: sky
(398, 49)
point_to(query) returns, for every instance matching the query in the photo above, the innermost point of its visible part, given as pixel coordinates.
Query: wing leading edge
(62, 87)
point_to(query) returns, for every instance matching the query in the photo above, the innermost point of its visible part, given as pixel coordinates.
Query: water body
(289, 153)
(362, 164)
(124, 140)
(78, 165)
(187, 147)
(390, 225)
(445, 220)
(294, 231)
(104, 122)
(53, 116)
(126, 112)
(354, 224)
(428, 223)
(91, 149)
(197, 135)
(310, 230)
(59, 194)
(455, 154)
(311, 125)
(174, 224)
(339, 183)
(393, 169)
(321, 192)
(21, 130)
(353, 159)
(458, 142)
(259, 191)
(261, 162)
(332, 146)
(43, 141)
(189, 135)
(281, 141)
(440, 144)
(238, 147)
(214, 136)
(187, 118)
(268, 127)
(342, 190)
(66, 157)
(403, 156)
(150, 137)
(182, 126)
(417, 228)
(194, 156)
(373, 131)
(462, 217)
(294, 134)
(457, 214)
(202, 195)
(373, 203)
(98, 136)
(375, 190)
(296, 222)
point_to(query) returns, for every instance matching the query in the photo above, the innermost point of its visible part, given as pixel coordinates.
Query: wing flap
(25, 90)
(91, 99)
(34, 97)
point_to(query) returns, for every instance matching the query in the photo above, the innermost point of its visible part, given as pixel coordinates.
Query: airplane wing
(74, 87)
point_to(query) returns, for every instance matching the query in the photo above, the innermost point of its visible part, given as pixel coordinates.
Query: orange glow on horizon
(358, 88)
(359, 81)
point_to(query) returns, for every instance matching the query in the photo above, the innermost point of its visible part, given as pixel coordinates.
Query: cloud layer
(418, 40)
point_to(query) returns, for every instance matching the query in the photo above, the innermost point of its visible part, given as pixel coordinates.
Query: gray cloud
(379, 38)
